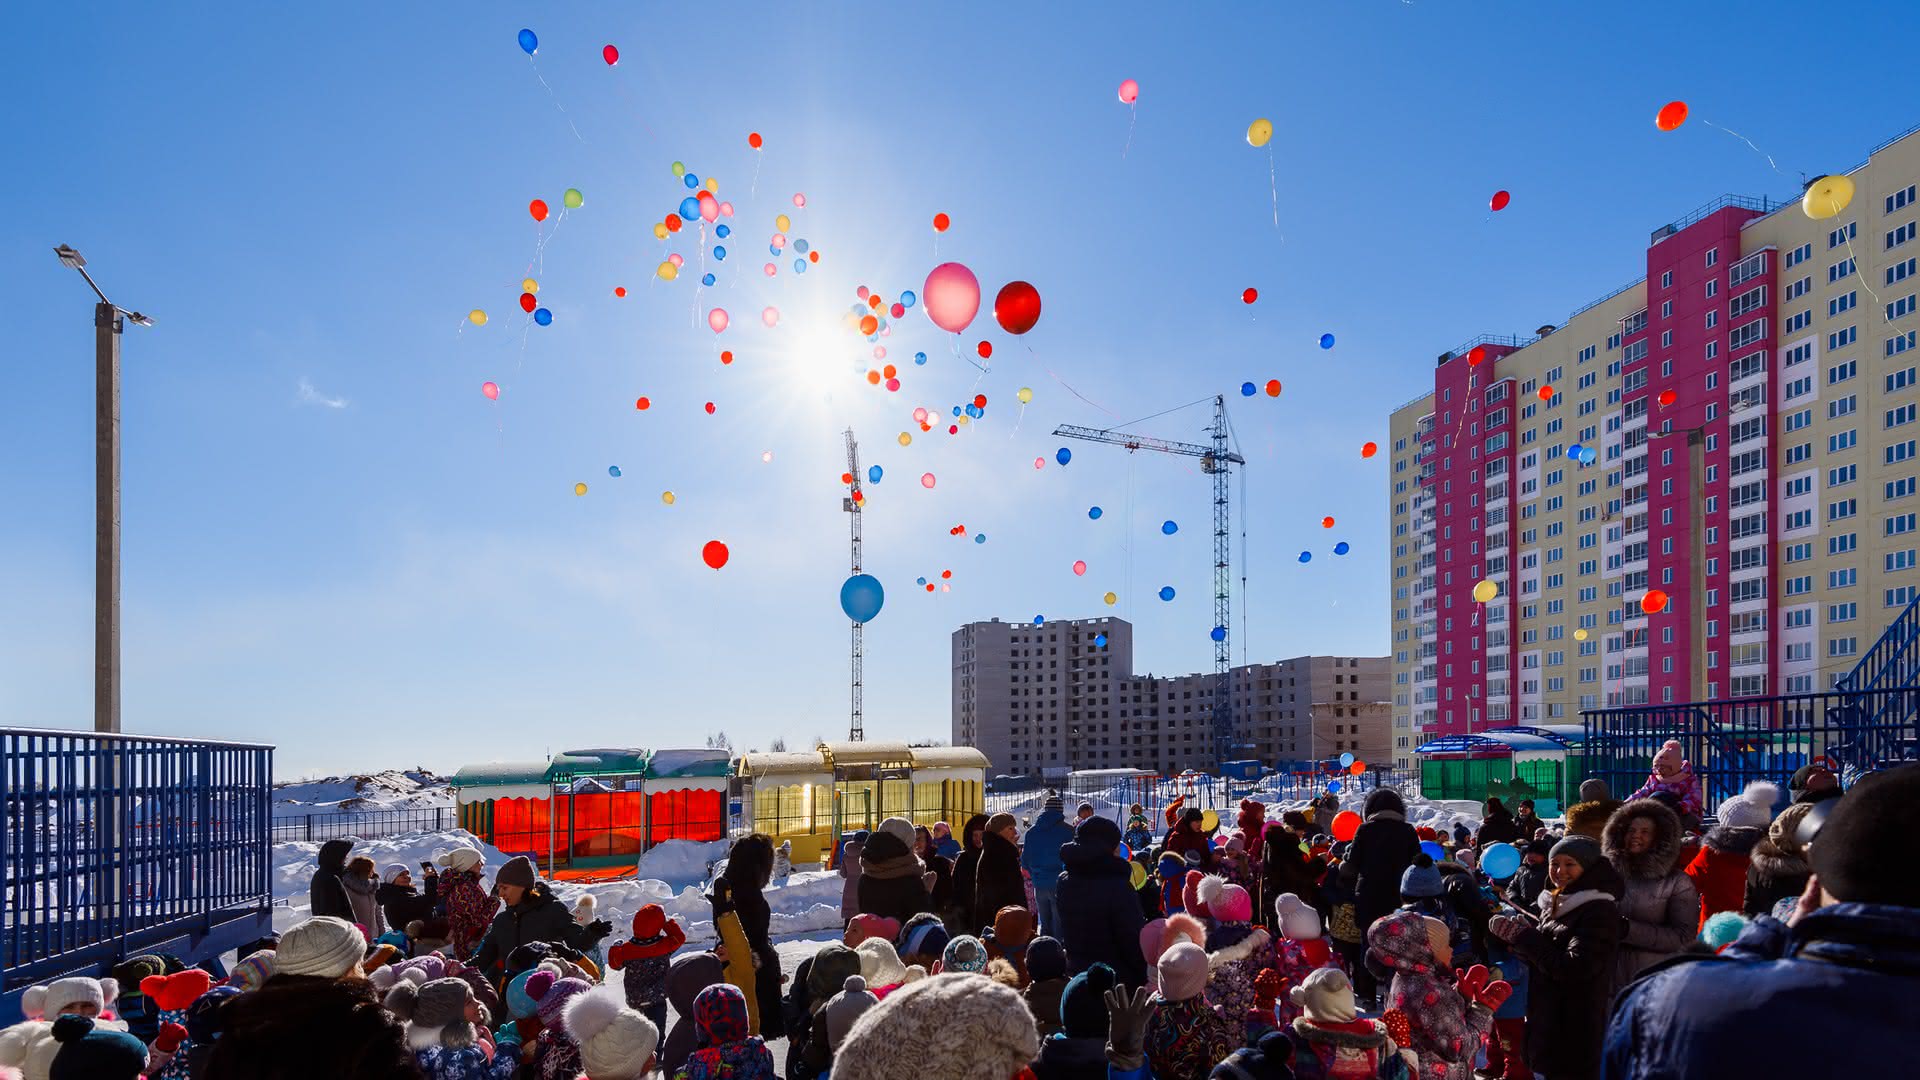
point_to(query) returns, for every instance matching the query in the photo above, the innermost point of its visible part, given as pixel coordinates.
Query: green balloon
(679, 169)
(573, 198)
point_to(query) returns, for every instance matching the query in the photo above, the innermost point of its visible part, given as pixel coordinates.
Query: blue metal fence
(114, 845)
(370, 825)
(1733, 742)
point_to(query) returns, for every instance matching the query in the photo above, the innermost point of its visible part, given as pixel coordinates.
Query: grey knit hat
(518, 871)
(439, 1005)
(1594, 789)
(326, 946)
(845, 1007)
(1584, 850)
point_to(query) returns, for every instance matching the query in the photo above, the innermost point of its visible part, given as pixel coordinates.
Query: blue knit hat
(1083, 1004)
(924, 935)
(1421, 880)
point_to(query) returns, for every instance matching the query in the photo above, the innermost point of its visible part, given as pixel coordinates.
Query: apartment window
(1751, 300)
(1841, 579)
(1745, 270)
(1843, 268)
(1842, 509)
(1900, 235)
(1899, 560)
(1666, 279)
(1797, 322)
(1798, 288)
(1743, 336)
(1840, 339)
(1840, 373)
(1841, 406)
(1900, 489)
(1841, 235)
(1844, 302)
(1900, 451)
(1713, 256)
(1842, 441)
(1900, 343)
(1799, 354)
(1901, 308)
(1900, 380)
(1799, 255)
(1900, 198)
(1666, 309)
(1899, 524)
(1841, 544)
(1903, 270)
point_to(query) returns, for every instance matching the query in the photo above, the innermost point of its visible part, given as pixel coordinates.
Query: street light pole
(108, 321)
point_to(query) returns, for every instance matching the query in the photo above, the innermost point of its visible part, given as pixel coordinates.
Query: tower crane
(1217, 460)
(851, 504)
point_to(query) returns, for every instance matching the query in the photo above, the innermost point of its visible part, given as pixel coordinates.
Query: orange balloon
(619, 290)
(1654, 602)
(889, 371)
(940, 222)
(873, 301)
(753, 139)
(846, 478)
(538, 208)
(869, 325)
(1326, 523)
(1357, 768)
(673, 222)
(643, 404)
(1273, 387)
(727, 357)
(873, 377)
(1671, 115)
(1369, 449)
(1546, 393)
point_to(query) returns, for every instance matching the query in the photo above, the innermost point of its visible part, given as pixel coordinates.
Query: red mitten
(171, 1036)
(1399, 1028)
(1472, 981)
(1266, 989)
(1478, 986)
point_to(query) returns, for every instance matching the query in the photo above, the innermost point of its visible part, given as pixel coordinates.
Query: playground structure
(810, 798)
(1543, 763)
(590, 809)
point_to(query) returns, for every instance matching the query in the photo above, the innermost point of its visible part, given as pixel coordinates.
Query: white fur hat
(616, 1043)
(1752, 808)
(1298, 921)
(50, 1000)
(1326, 996)
(879, 964)
(460, 858)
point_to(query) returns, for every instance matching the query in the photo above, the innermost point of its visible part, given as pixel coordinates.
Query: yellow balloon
(579, 489)
(1112, 599)
(1579, 635)
(1209, 821)
(477, 317)
(1137, 876)
(1025, 395)
(530, 285)
(659, 230)
(960, 420)
(1827, 196)
(1485, 591)
(667, 497)
(668, 271)
(906, 439)
(1259, 132)
(712, 184)
(782, 223)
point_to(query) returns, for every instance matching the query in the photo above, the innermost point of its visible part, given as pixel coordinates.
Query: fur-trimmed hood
(1770, 859)
(1657, 861)
(1345, 1035)
(1734, 839)
(1590, 818)
(1243, 949)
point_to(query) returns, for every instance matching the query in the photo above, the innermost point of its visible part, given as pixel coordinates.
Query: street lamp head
(136, 318)
(70, 258)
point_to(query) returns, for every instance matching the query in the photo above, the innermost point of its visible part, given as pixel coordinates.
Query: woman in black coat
(997, 880)
(1099, 912)
(749, 869)
(1570, 958)
(402, 903)
(1381, 851)
(1497, 827)
(960, 912)
(938, 865)
(1288, 870)
(325, 894)
(891, 876)
(299, 1026)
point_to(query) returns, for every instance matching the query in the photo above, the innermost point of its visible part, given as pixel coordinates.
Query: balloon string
(1081, 396)
(1133, 114)
(754, 192)
(1750, 145)
(1856, 265)
(551, 96)
(1273, 189)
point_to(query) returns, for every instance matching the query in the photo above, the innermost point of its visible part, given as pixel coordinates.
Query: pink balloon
(709, 207)
(717, 318)
(920, 416)
(1129, 92)
(861, 292)
(926, 480)
(779, 240)
(893, 384)
(879, 352)
(726, 209)
(952, 296)
(769, 269)
(1079, 567)
(799, 199)
(492, 391)
(770, 316)
(676, 260)
(1039, 463)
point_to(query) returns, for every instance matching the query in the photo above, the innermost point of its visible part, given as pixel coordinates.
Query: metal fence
(1219, 794)
(1733, 742)
(370, 825)
(115, 844)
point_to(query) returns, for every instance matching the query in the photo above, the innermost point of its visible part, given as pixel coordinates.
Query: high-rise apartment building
(1060, 696)
(1700, 486)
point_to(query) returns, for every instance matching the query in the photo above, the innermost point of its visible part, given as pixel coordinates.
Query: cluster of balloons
(953, 299)
(1248, 389)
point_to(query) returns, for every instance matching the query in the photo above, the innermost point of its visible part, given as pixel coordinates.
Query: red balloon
(985, 349)
(673, 222)
(1671, 115)
(897, 310)
(1345, 824)
(1369, 449)
(1668, 397)
(1475, 355)
(709, 408)
(1500, 200)
(538, 208)
(527, 302)
(940, 222)
(1273, 387)
(1017, 307)
(611, 55)
(619, 290)
(1250, 296)
(1546, 392)
(643, 404)
(714, 554)
(753, 139)
(1654, 602)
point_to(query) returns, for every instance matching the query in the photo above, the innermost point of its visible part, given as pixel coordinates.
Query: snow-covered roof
(868, 753)
(621, 761)
(690, 762)
(784, 764)
(500, 774)
(1111, 774)
(1497, 740)
(948, 757)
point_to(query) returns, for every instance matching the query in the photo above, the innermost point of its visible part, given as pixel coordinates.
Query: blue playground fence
(116, 845)
(371, 825)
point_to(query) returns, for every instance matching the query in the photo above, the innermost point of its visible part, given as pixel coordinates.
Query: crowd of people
(1635, 939)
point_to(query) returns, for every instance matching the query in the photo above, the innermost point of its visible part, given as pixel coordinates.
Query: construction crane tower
(851, 504)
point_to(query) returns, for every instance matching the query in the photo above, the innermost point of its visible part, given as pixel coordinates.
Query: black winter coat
(960, 913)
(1289, 870)
(302, 1027)
(1497, 828)
(997, 883)
(1099, 913)
(402, 904)
(1772, 875)
(1527, 884)
(1381, 851)
(890, 880)
(539, 916)
(1570, 956)
(325, 893)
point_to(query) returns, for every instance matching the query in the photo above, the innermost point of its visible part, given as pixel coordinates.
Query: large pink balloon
(1129, 92)
(717, 318)
(709, 207)
(952, 296)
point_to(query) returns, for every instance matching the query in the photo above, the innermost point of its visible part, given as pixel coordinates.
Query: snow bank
(369, 793)
(683, 862)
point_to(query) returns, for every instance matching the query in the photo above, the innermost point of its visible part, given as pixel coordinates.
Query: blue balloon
(1588, 455)
(873, 474)
(692, 180)
(1306, 556)
(979, 538)
(1501, 860)
(773, 249)
(973, 410)
(799, 266)
(1247, 389)
(920, 581)
(1333, 787)
(1341, 548)
(723, 230)
(1039, 620)
(1346, 760)
(613, 470)
(528, 42)
(689, 208)
(1326, 341)
(920, 358)
(719, 253)
(1219, 633)
(706, 279)
(1063, 455)
(542, 316)
(800, 247)
(1095, 513)
(861, 597)
(1166, 592)
(1433, 849)
(1169, 528)
(956, 410)
(1099, 641)
(1573, 451)
(907, 299)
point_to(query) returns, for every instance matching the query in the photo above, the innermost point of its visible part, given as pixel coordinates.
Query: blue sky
(334, 543)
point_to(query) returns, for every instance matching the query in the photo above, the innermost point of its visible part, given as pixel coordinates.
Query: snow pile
(683, 862)
(392, 789)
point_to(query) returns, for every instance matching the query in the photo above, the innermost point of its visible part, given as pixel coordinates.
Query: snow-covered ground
(414, 789)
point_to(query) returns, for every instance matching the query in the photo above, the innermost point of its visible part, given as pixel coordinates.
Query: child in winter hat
(132, 1006)
(443, 1026)
(1329, 1031)
(1185, 1035)
(252, 972)
(329, 947)
(1009, 937)
(89, 1050)
(965, 953)
(555, 1054)
(1236, 950)
(76, 996)
(1448, 1022)
(1673, 774)
(956, 1027)
(727, 1050)
(1139, 834)
(643, 961)
(923, 940)
(881, 966)
(844, 1009)
(1172, 872)
(1079, 1048)
(1300, 952)
(866, 925)
(31, 1045)
(616, 1042)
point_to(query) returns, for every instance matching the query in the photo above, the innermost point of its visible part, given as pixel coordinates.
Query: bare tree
(719, 741)
(778, 745)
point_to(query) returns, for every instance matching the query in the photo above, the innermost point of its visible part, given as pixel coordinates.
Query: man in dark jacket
(891, 875)
(1846, 965)
(325, 894)
(1041, 857)
(996, 879)
(1497, 827)
(401, 902)
(1101, 917)
(1381, 851)
(532, 913)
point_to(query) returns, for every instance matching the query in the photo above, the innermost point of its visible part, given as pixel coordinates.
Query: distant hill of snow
(393, 789)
